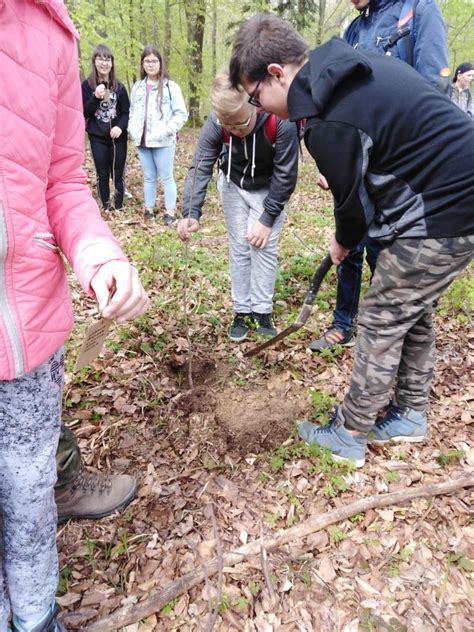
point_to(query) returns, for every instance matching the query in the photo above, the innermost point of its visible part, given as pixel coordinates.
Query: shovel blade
(300, 321)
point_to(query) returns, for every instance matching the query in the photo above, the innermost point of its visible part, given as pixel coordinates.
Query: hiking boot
(148, 214)
(92, 495)
(265, 325)
(240, 327)
(343, 445)
(48, 623)
(169, 220)
(333, 336)
(399, 424)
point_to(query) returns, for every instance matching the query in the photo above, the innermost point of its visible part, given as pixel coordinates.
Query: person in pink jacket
(45, 208)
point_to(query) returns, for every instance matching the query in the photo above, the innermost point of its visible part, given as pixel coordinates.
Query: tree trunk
(196, 20)
(167, 33)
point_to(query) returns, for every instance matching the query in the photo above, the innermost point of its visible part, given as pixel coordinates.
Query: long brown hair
(101, 50)
(163, 74)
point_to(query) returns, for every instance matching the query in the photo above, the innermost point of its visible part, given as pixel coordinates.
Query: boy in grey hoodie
(258, 162)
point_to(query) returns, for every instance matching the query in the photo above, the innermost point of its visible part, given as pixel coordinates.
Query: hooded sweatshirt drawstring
(253, 154)
(230, 159)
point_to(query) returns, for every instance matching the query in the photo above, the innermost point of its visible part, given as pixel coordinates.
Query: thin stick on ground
(135, 612)
(265, 569)
(220, 567)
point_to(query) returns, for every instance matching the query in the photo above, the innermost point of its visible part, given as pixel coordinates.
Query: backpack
(269, 127)
(404, 36)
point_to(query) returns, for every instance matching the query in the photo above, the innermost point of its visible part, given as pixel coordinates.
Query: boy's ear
(275, 70)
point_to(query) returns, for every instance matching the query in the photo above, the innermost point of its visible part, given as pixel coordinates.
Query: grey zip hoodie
(252, 163)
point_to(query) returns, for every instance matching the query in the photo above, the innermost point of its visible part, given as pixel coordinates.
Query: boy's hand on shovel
(337, 252)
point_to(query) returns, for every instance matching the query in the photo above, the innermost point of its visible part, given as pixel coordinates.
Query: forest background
(195, 35)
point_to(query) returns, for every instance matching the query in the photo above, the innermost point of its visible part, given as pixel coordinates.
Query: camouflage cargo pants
(68, 458)
(395, 346)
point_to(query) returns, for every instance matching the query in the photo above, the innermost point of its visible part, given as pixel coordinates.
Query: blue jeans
(158, 162)
(349, 280)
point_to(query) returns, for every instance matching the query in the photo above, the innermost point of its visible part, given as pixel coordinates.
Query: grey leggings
(30, 413)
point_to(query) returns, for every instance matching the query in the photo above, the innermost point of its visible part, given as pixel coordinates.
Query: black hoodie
(398, 156)
(102, 115)
(252, 163)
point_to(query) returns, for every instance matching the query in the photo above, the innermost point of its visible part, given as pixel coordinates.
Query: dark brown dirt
(246, 417)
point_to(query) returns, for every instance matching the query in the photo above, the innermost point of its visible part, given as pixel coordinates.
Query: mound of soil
(222, 413)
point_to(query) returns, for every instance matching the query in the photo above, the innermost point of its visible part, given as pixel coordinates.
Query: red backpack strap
(270, 127)
(225, 136)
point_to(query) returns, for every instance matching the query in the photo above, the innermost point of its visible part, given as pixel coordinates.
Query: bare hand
(187, 226)
(322, 182)
(100, 91)
(338, 253)
(258, 235)
(129, 299)
(115, 132)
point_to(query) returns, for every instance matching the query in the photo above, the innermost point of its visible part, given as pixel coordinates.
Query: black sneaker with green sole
(265, 326)
(240, 327)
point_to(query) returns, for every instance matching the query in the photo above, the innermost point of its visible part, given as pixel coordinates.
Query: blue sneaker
(399, 424)
(343, 445)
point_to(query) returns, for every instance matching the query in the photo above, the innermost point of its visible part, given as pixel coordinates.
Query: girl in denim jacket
(157, 113)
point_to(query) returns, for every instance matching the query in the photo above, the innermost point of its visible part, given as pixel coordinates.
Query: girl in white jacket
(157, 113)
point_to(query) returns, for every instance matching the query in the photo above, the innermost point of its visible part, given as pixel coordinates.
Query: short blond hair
(226, 100)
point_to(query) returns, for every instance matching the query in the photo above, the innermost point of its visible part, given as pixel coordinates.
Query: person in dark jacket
(106, 107)
(258, 162)
(404, 179)
(378, 28)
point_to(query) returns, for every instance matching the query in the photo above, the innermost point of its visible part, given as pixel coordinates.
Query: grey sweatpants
(395, 345)
(30, 413)
(252, 270)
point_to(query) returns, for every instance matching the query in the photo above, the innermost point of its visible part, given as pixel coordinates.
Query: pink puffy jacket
(45, 204)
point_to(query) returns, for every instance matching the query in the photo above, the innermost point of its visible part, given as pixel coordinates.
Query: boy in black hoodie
(258, 163)
(399, 159)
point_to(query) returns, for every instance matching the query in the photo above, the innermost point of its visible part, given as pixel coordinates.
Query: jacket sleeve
(74, 217)
(124, 108)
(430, 52)
(341, 157)
(285, 172)
(178, 106)
(90, 102)
(207, 152)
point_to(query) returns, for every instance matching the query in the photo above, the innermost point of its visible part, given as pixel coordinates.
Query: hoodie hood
(328, 68)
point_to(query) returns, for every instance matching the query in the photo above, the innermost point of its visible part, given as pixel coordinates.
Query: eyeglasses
(253, 99)
(237, 125)
(151, 62)
(106, 60)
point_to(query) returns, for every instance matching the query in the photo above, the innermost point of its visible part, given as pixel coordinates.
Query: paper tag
(93, 343)
(106, 96)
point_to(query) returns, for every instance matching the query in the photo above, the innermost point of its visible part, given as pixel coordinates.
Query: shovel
(305, 312)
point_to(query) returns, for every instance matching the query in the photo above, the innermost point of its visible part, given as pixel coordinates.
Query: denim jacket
(161, 128)
(378, 21)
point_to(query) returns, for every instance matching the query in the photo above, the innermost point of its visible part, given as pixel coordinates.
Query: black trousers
(109, 160)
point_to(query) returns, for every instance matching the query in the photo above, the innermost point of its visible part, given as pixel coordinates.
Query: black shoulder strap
(406, 27)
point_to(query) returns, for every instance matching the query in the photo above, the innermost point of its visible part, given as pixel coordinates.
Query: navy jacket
(378, 21)
(252, 164)
(397, 154)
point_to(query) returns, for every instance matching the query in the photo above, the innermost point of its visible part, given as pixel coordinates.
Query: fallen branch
(135, 612)
(220, 567)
